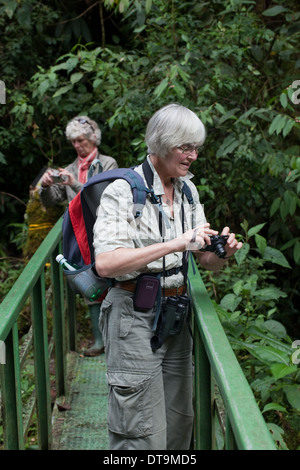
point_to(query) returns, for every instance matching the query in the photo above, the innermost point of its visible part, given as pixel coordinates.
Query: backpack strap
(187, 192)
(92, 191)
(139, 191)
(93, 165)
(76, 228)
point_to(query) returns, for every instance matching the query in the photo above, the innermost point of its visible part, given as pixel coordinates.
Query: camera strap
(163, 218)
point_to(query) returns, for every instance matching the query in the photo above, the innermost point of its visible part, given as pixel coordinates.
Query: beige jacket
(58, 193)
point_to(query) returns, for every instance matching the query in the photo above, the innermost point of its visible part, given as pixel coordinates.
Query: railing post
(11, 394)
(39, 321)
(230, 443)
(59, 325)
(71, 312)
(203, 408)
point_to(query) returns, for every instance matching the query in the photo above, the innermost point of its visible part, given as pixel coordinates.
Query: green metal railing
(220, 385)
(31, 286)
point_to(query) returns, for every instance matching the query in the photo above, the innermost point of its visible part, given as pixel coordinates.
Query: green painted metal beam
(59, 323)
(15, 299)
(249, 428)
(41, 363)
(11, 394)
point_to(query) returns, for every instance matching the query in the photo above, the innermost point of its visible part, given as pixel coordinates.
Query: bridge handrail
(31, 285)
(22, 288)
(245, 425)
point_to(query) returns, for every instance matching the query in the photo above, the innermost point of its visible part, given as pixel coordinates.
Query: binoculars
(172, 316)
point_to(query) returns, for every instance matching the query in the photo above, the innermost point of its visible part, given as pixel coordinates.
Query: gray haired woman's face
(83, 146)
(177, 161)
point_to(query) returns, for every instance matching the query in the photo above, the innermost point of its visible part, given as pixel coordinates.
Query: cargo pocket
(130, 404)
(127, 316)
(103, 319)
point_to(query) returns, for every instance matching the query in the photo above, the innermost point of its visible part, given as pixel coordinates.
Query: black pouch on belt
(146, 292)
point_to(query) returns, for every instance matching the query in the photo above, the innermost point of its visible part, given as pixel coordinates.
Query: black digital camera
(217, 245)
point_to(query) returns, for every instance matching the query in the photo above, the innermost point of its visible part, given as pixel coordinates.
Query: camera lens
(219, 250)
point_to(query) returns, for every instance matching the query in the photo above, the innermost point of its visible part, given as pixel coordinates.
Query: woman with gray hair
(149, 354)
(85, 137)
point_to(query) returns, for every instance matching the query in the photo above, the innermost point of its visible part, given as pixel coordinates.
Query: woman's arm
(126, 260)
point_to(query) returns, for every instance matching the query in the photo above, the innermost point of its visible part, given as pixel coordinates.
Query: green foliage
(247, 301)
(10, 270)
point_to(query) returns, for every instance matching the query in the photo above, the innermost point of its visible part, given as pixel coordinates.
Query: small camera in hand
(218, 243)
(57, 178)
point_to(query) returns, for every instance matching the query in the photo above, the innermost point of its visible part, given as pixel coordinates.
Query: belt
(167, 292)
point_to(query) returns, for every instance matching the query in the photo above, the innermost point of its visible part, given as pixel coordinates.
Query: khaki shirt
(116, 227)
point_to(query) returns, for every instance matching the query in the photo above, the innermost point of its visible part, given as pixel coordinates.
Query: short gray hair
(172, 126)
(83, 125)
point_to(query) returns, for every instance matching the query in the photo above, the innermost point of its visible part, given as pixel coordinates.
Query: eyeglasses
(85, 121)
(189, 149)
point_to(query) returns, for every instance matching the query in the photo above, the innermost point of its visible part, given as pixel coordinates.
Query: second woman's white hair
(83, 125)
(172, 126)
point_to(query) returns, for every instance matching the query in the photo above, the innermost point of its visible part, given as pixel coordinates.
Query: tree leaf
(62, 90)
(275, 205)
(241, 254)
(261, 243)
(278, 124)
(273, 406)
(230, 302)
(296, 252)
(275, 256)
(275, 11)
(269, 293)
(148, 6)
(2, 158)
(161, 87)
(255, 229)
(281, 370)
(293, 395)
(288, 127)
(268, 354)
(283, 100)
(275, 327)
(76, 77)
(277, 432)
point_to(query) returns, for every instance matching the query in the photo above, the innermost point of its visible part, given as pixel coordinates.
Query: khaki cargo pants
(150, 394)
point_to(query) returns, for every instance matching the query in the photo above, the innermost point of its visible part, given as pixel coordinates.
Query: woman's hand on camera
(232, 244)
(67, 177)
(195, 239)
(47, 179)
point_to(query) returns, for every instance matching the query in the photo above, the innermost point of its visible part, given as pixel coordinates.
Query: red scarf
(84, 164)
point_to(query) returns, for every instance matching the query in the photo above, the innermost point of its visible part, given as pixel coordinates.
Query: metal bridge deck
(80, 420)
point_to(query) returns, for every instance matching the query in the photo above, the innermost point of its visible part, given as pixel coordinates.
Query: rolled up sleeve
(115, 225)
